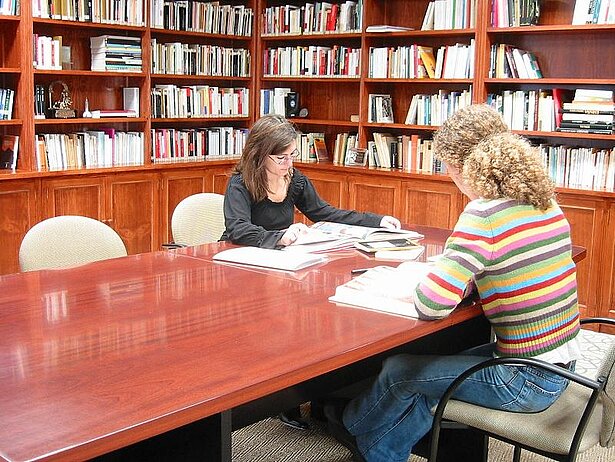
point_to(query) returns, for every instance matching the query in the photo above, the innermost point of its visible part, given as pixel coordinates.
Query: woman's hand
(390, 222)
(292, 233)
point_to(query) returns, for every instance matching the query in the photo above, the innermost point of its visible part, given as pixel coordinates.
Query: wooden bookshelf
(138, 201)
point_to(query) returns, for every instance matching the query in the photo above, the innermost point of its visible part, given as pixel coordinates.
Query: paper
(386, 28)
(384, 288)
(269, 258)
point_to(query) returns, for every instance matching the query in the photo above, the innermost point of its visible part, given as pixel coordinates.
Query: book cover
(9, 145)
(375, 245)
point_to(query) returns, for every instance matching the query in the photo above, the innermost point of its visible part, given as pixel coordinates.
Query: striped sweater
(520, 260)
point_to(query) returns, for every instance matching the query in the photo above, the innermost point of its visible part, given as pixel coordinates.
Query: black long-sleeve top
(262, 224)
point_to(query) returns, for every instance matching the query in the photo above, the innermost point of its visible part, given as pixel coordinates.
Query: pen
(359, 270)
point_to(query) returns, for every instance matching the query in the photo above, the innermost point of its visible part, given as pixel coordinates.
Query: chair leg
(517, 454)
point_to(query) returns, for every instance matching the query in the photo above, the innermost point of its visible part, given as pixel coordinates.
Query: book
(97, 114)
(374, 245)
(268, 258)
(386, 28)
(361, 233)
(400, 255)
(384, 288)
(9, 146)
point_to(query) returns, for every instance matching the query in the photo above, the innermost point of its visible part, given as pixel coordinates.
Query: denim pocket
(538, 391)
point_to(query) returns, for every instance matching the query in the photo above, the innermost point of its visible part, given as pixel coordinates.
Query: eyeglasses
(281, 158)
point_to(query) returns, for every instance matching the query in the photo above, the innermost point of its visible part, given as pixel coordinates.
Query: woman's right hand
(292, 233)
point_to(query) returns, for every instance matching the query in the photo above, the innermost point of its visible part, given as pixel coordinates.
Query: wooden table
(163, 354)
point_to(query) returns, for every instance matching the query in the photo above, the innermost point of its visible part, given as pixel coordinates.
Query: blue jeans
(393, 414)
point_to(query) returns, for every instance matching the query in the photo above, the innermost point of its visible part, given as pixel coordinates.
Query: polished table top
(98, 357)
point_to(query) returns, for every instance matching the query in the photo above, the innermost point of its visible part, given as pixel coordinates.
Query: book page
(362, 232)
(384, 288)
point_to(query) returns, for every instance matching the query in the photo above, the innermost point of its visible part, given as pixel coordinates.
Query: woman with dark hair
(265, 188)
(262, 193)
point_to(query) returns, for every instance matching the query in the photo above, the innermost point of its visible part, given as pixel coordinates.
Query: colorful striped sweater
(520, 260)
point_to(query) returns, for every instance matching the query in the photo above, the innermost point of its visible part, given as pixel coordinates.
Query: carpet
(271, 441)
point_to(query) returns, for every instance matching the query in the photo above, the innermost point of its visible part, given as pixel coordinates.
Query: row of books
(410, 153)
(197, 16)
(533, 110)
(380, 108)
(417, 61)
(196, 59)
(125, 12)
(579, 167)
(9, 149)
(7, 98)
(508, 61)
(514, 13)
(88, 149)
(594, 12)
(314, 61)
(274, 100)
(9, 7)
(449, 14)
(171, 101)
(313, 18)
(312, 147)
(180, 145)
(116, 53)
(434, 109)
(46, 52)
(345, 151)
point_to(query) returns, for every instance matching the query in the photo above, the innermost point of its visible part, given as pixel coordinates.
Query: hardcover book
(9, 145)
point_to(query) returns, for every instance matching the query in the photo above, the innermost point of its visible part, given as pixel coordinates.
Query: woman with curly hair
(512, 246)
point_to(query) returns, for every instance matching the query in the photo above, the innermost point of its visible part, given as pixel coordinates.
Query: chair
(198, 219)
(581, 417)
(68, 240)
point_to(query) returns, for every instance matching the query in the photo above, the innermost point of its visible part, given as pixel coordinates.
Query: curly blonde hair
(495, 163)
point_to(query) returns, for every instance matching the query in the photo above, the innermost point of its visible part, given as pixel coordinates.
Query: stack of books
(116, 53)
(591, 111)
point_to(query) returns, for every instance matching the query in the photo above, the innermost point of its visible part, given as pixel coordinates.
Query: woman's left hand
(390, 222)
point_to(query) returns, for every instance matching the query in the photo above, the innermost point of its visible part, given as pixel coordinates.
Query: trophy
(60, 109)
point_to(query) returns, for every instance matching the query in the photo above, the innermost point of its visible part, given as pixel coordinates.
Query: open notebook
(269, 258)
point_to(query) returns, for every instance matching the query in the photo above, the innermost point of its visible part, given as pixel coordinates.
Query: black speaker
(292, 104)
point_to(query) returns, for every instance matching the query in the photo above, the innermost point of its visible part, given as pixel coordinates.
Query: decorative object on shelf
(86, 112)
(62, 108)
(292, 104)
(66, 57)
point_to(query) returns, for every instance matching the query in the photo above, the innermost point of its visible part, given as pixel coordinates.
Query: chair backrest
(68, 240)
(198, 219)
(607, 373)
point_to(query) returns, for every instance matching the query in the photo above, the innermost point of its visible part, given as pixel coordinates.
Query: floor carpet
(270, 441)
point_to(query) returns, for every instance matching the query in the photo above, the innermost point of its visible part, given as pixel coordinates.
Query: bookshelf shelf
(550, 29)
(325, 122)
(310, 37)
(11, 122)
(163, 120)
(91, 121)
(574, 82)
(422, 34)
(10, 70)
(86, 26)
(171, 33)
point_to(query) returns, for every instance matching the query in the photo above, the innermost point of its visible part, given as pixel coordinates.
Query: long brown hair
(269, 136)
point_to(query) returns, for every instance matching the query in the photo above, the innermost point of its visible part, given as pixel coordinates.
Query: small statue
(86, 112)
(61, 109)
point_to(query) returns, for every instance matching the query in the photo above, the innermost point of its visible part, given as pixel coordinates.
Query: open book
(269, 258)
(384, 288)
(328, 231)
